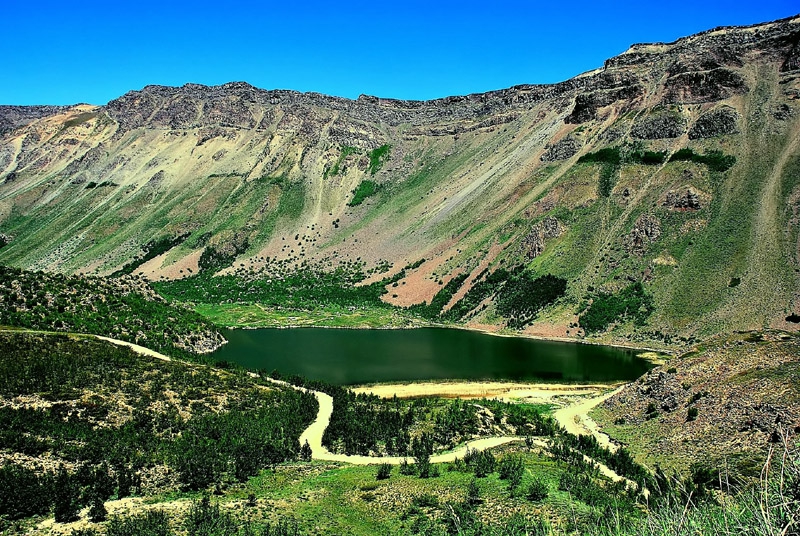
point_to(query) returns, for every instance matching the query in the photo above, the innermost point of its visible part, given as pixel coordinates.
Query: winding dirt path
(573, 414)
(574, 418)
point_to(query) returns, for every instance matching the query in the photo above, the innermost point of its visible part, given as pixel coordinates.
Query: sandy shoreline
(529, 392)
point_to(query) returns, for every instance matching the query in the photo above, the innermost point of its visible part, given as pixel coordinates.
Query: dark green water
(353, 356)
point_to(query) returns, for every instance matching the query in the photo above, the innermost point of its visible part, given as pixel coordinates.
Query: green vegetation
(78, 383)
(377, 157)
(152, 249)
(365, 189)
(612, 158)
(281, 286)
(631, 303)
(123, 308)
(215, 258)
(523, 296)
(365, 424)
(433, 310)
(520, 295)
(256, 315)
(334, 170)
(485, 285)
(715, 160)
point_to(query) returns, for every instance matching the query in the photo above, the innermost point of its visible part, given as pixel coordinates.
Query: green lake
(356, 356)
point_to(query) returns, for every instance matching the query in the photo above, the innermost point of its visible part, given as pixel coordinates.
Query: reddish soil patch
(153, 270)
(417, 286)
(493, 252)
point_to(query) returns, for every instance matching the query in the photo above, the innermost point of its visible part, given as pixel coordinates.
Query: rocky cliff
(699, 203)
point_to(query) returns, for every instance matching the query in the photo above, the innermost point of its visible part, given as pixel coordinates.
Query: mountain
(675, 166)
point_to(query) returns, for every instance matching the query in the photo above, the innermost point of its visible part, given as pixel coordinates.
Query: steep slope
(170, 181)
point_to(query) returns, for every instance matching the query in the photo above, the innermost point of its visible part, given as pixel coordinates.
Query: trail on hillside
(316, 430)
(313, 434)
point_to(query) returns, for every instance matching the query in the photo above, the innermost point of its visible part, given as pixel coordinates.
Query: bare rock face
(534, 243)
(13, 117)
(683, 200)
(587, 104)
(561, 150)
(659, 126)
(792, 61)
(646, 230)
(703, 86)
(717, 122)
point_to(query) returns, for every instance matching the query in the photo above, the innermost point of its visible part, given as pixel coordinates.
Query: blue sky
(77, 51)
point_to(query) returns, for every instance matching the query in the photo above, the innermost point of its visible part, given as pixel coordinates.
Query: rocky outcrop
(562, 149)
(659, 126)
(646, 230)
(733, 395)
(717, 122)
(683, 200)
(587, 104)
(792, 61)
(14, 117)
(703, 86)
(5, 239)
(534, 242)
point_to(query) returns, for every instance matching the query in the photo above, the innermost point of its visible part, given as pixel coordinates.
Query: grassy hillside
(123, 308)
(109, 442)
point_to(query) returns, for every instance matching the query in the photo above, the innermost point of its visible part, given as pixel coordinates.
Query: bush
(384, 471)
(426, 500)
(363, 191)
(512, 468)
(407, 468)
(23, 493)
(66, 505)
(484, 464)
(473, 493)
(150, 523)
(630, 303)
(537, 490)
(97, 512)
(691, 414)
(206, 519)
(715, 160)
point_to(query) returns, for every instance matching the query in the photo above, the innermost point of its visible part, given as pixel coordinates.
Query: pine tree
(67, 494)
(97, 512)
(305, 452)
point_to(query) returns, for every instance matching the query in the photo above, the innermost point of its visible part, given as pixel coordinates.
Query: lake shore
(525, 391)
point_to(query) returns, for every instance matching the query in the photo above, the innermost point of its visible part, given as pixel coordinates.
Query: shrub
(206, 519)
(363, 191)
(537, 490)
(384, 471)
(426, 500)
(484, 464)
(406, 468)
(66, 503)
(691, 414)
(150, 523)
(512, 468)
(23, 493)
(630, 303)
(473, 493)
(97, 512)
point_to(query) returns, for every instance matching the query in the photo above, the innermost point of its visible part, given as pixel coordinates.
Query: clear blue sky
(77, 51)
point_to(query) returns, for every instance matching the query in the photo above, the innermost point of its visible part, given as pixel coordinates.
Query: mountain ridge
(469, 182)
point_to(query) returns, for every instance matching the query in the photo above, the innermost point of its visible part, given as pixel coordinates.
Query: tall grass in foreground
(770, 506)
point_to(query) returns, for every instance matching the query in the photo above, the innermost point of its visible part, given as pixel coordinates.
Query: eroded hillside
(675, 166)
